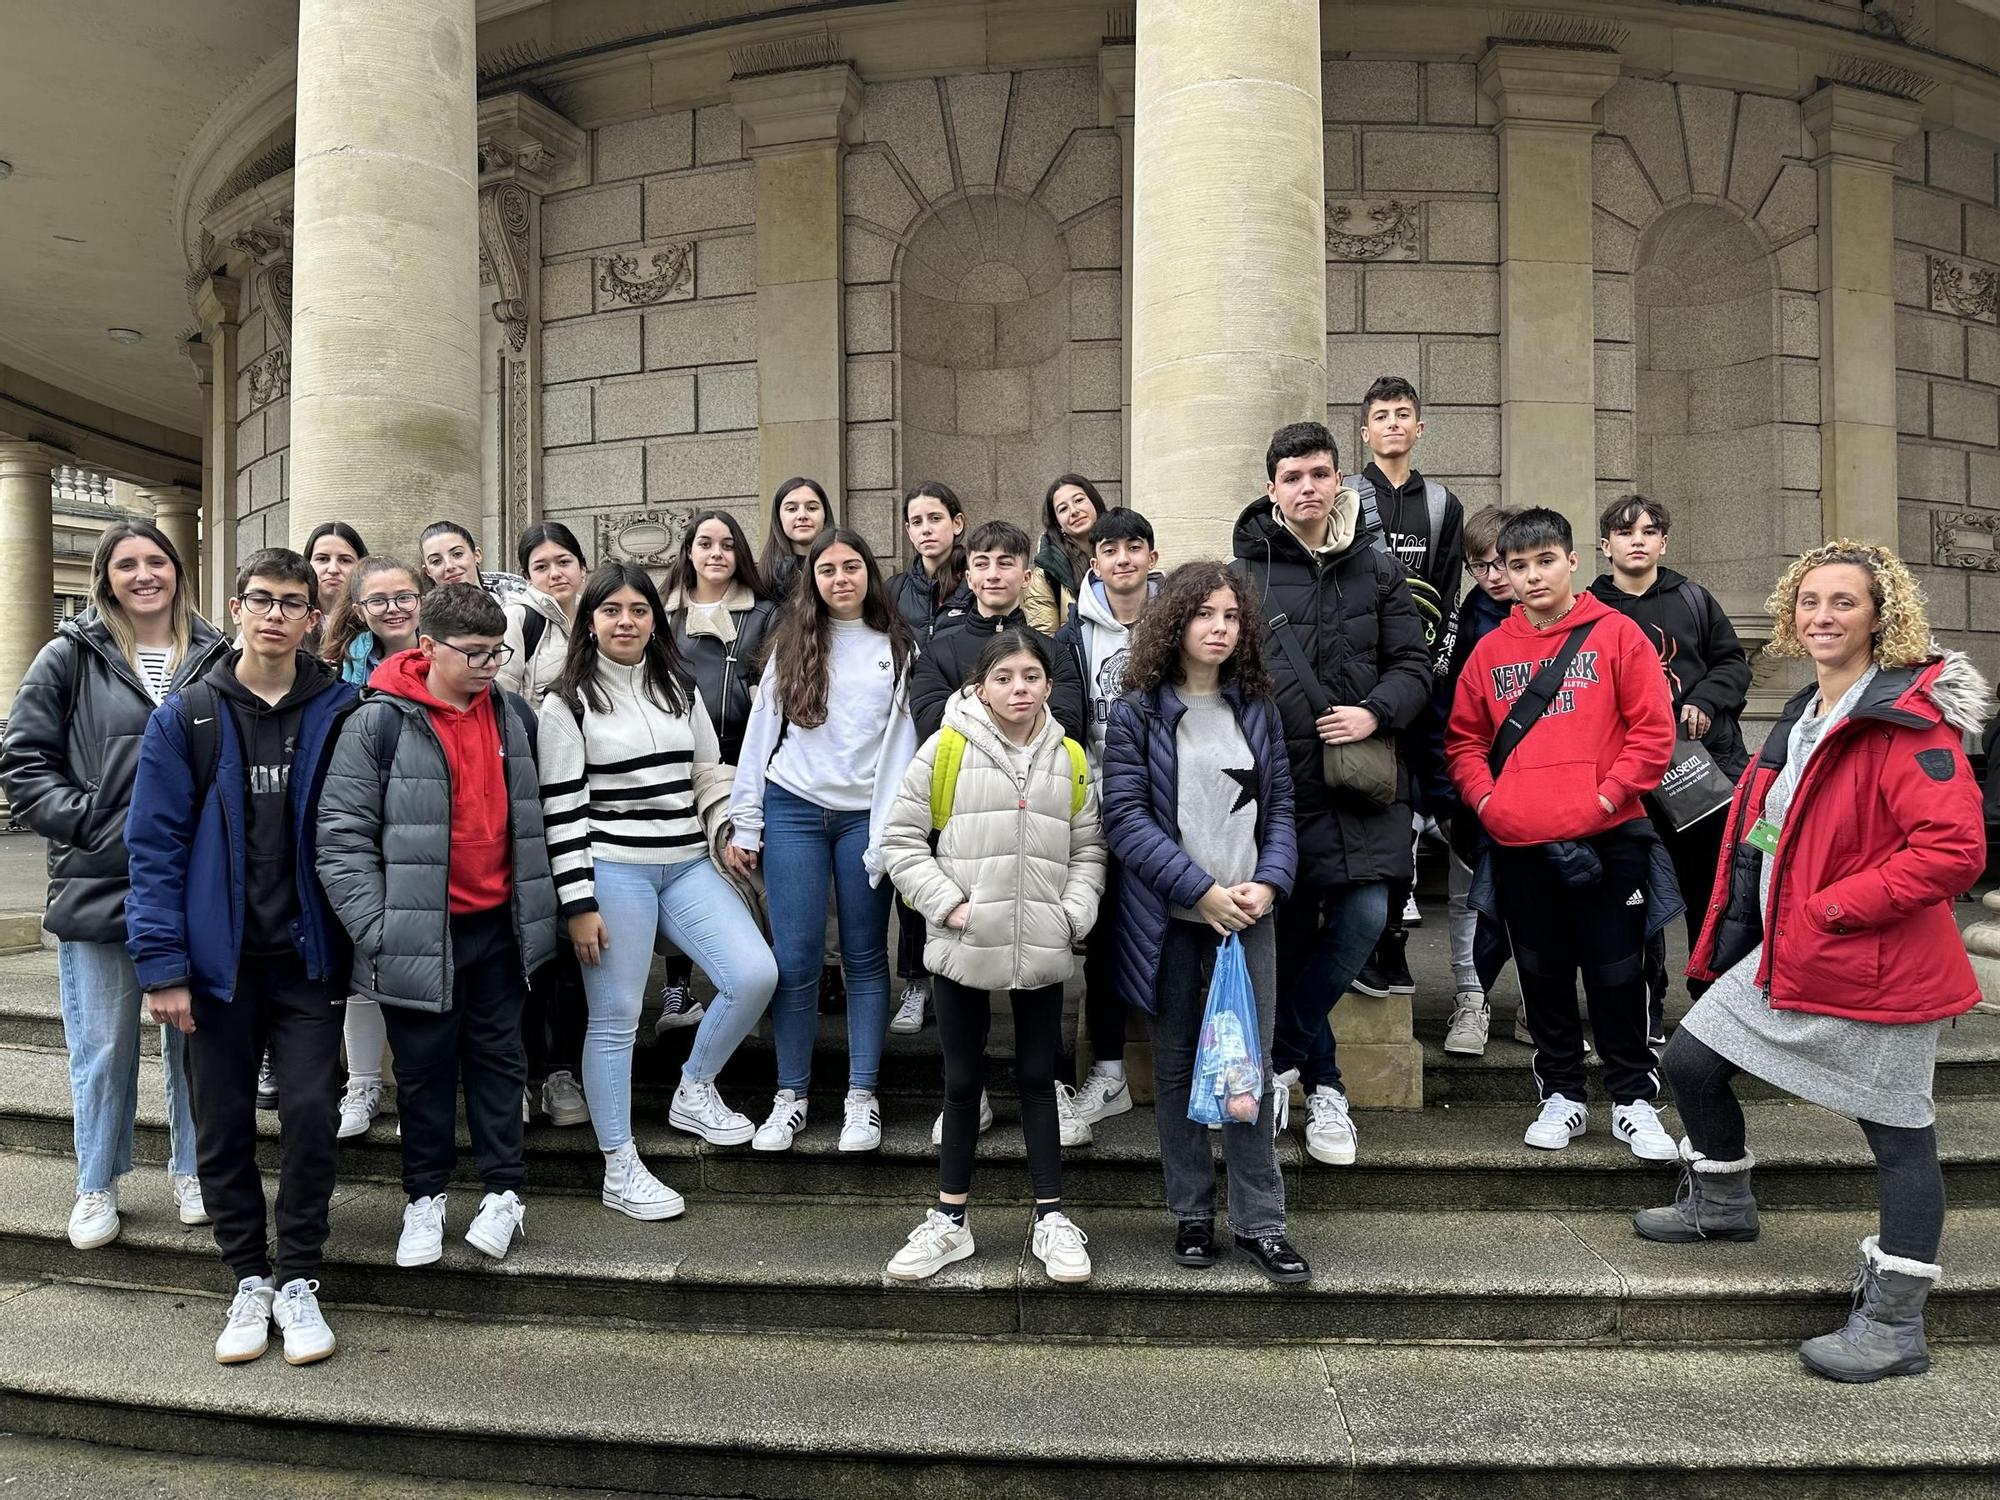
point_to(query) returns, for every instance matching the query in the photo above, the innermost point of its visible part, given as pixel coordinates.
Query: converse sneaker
(861, 1121)
(246, 1333)
(1102, 1096)
(786, 1120)
(1638, 1125)
(1329, 1128)
(1058, 1245)
(267, 1084)
(985, 1120)
(94, 1220)
(909, 1018)
(187, 1198)
(296, 1310)
(698, 1109)
(497, 1222)
(678, 1008)
(359, 1105)
(1070, 1130)
(1466, 1035)
(1560, 1122)
(633, 1191)
(562, 1100)
(422, 1241)
(932, 1245)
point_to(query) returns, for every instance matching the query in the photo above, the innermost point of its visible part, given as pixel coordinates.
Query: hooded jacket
(1348, 610)
(1884, 832)
(916, 599)
(947, 662)
(530, 674)
(1700, 653)
(69, 759)
(1609, 733)
(213, 879)
(724, 668)
(1032, 871)
(1052, 587)
(1098, 647)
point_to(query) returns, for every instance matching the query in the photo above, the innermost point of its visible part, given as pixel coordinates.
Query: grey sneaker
(562, 1100)
(909, 1018)
(1470, 1020)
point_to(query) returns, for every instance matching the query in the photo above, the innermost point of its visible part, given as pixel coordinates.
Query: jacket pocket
(1539, 803)
(1828, 958)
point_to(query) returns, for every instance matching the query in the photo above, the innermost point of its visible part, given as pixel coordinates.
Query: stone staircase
(1482, 1319)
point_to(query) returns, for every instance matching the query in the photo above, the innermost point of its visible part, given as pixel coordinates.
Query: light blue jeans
(102, 1011)
(808, 848)
(691, 905)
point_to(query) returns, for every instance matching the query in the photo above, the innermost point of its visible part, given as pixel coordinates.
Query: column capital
(201, 355)
(172, 499)
(1117, 82)
(796, 109)
(26, 460)
(257, 223)
(217, 300)
(522, 140)
(1859, 126)
(1547, 85)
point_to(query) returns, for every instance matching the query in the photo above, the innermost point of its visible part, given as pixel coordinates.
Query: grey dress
(1865, 1070)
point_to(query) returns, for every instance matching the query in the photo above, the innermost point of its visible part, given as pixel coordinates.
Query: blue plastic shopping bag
(1228, 1073)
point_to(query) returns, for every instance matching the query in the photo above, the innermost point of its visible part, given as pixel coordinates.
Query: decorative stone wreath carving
(1968, 539)
(650, 538)
(269, 377)
(1966, 290)
(1394, 236)
(670, 280)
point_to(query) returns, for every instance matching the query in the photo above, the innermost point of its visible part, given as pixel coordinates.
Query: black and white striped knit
(627, 786)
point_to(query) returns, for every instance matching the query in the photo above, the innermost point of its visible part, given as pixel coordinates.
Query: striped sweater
(630, 786)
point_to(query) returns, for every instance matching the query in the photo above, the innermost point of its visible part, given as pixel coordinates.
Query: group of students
(459, 813)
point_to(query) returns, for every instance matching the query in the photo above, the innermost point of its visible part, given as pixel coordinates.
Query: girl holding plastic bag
(994, 837)
(1198, 810)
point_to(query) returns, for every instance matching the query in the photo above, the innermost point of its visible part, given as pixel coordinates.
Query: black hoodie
(269, 736)
(1704, 661)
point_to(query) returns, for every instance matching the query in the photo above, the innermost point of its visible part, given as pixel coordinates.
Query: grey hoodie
(1101, 645)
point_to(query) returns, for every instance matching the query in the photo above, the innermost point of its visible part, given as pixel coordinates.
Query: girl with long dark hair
(800, 511)
(1070, 507)
(450, 554)
(934, 521)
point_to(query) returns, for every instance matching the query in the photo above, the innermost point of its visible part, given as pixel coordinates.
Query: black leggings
(1906, 1158)
(963, 1018)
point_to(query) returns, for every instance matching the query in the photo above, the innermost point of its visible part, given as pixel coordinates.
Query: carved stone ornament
(1965, 290)
(274, 291)
(512, 313)
(269, 377)
(1967, 539)
(671, 278)
(520, 445)
(649, 538)
(1393, 237)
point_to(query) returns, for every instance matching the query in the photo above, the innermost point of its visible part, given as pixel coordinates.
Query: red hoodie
(482, 852)
(1609, 732)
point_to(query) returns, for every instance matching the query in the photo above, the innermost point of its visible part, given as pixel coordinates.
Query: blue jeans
(102, 1011)
(693, 907)
(807, 848)
(1325, 935)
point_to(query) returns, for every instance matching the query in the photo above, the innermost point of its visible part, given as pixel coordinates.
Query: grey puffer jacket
(69, 759)
(384, 851)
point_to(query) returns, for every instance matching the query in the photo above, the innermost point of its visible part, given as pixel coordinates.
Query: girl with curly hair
(1830, 937)
(1198, 810)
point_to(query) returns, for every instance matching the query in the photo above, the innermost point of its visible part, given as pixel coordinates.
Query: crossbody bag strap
(1317, 696)
(1534, 701)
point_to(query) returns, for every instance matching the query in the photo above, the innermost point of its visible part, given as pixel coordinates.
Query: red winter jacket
(1884, 833)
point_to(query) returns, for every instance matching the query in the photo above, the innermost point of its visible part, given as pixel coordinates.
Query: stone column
(1117, 69)
(177, 512)
(1855, 133)
(27, 541)
(794, 127)
(217, 302)
(1547, 98)
(385, 331)
(1228, 333)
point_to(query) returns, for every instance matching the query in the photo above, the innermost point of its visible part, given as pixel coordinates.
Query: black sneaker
(1392, 954)
(267, 1086)
(1373, 978)
(1194, 1242)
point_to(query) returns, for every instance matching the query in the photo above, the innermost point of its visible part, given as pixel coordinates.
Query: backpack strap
(944, 775)
(1435, 495)
(534, 625)
(1691, 596)
(201, 707)
(1535, 699)
(1079, 775)
(1371, 511)
(385, 745)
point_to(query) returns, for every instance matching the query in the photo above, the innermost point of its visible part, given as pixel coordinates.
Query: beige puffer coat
(1032, 873)
(528, 676)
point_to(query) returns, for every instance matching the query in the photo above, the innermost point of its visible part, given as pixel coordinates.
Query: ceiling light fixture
(124, 335)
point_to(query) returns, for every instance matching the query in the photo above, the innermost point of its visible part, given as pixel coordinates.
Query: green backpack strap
(951, 756)
(1079, 775)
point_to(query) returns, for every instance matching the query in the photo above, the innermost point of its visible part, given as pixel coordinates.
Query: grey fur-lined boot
(1714, 1203)
(1885, 1332)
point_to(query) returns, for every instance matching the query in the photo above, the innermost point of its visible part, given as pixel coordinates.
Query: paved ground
(24, 871)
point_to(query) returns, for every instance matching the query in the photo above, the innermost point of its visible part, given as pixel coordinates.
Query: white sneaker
(1413, 915)
(861, 1121)
(267, 1083)
(296, 1310)
(422, 1240)
(1560, 1122)
(1329, 1128)
(562, 1100)
(1638, 1125)
(786, 1120)
(1470, 1021)
(358, 1107)
(1527, 1039)
(1102, 1096)
(1282, 1085)
(497, 1222)
(527, 1106)
(634, 1191)
(1070, 1130)
(909, 1018)
(187, 1198)
(1058, 1245)
(246, 1334)
(94, 1220)
(985, 1120)
(698, 1109)
(933, 1245)
(678, 1008)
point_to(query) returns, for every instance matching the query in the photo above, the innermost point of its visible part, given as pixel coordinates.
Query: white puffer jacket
(531, 676)
(1032, 872)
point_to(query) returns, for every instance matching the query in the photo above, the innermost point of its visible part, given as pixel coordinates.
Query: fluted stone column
(177, 512)
(385, 406)
(27, 541)
(1228, 255)
(218, 301)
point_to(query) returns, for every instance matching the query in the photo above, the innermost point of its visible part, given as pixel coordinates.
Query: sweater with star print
(1218, 792)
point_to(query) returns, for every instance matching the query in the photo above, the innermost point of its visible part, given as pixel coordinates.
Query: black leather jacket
(726, 673)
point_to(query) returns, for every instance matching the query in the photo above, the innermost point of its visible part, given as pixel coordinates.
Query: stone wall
(264, 432)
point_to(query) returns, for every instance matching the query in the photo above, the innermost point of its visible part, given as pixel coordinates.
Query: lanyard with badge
(1763, 836)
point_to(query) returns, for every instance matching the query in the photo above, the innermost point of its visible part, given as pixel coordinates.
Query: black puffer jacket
(1351, 616)
(948, 658)
(915, 597)
(725, 672)
(71, 752)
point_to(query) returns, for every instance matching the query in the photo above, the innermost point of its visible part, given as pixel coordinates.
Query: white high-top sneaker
(698, 1109)
(633, 1190)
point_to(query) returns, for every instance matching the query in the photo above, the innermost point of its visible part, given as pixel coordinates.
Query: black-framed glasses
(381, 604)
(292, 607)
(1481, 569)
(496, 656)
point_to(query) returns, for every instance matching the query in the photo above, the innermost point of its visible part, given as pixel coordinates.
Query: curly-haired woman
(1830, 935)
(1198, 811)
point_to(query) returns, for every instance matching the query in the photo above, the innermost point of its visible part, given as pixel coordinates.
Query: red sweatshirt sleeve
(1469, 732)
(1646, 712)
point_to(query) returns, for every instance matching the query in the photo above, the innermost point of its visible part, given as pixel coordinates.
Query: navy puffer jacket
(1141, 798)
